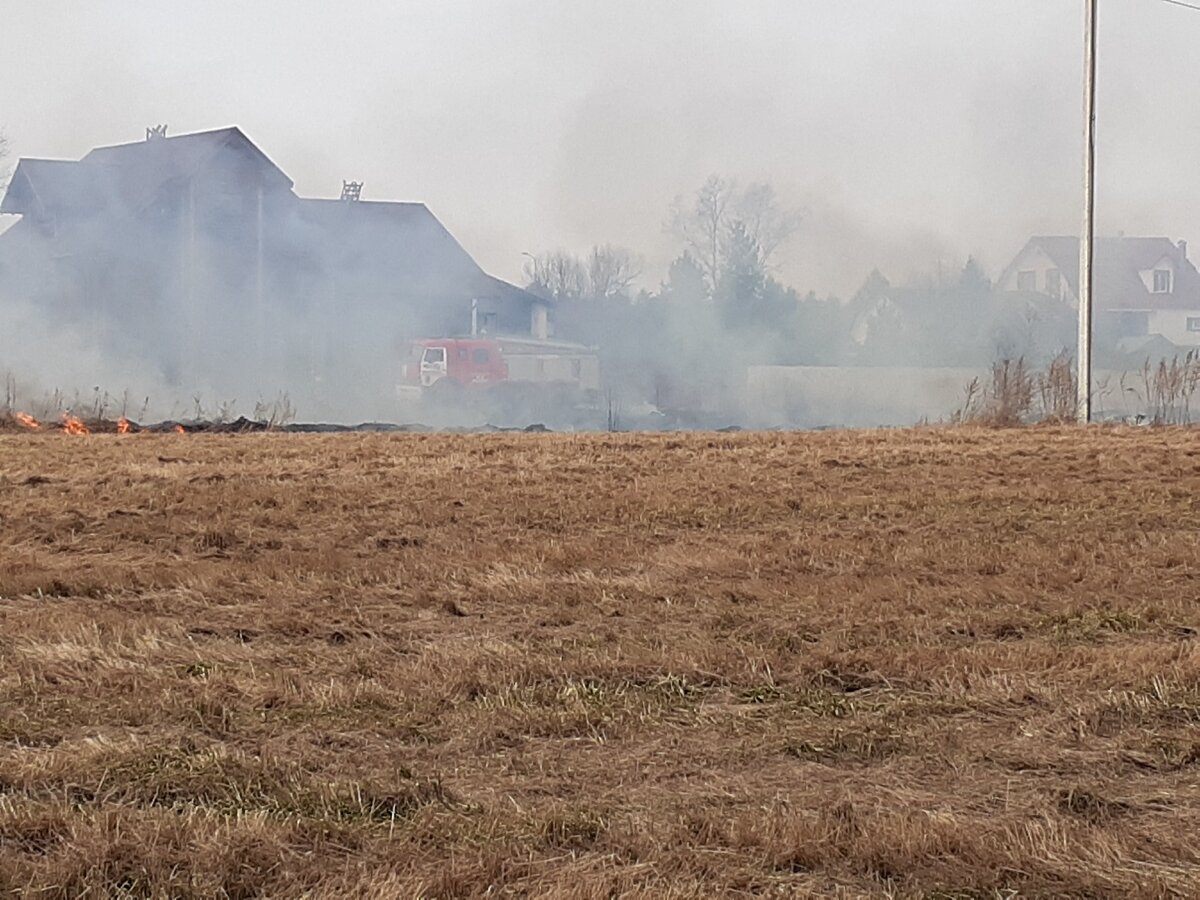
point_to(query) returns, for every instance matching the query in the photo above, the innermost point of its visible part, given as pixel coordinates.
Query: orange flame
(123, 426)
(180, 429)
(72, 425)
(27, 420)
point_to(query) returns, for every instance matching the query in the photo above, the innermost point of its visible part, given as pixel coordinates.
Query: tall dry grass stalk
(1015, 394)
(1165, 390)
(1058, 390)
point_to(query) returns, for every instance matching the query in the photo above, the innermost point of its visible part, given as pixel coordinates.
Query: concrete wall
(812, 396)
(853, 396)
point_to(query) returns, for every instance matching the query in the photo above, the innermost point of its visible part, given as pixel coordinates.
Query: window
(1027, 281)
(480, 357)
(1054, 283)
(1162, 281)
(1193, 323)
(462, 354)
(434, 356)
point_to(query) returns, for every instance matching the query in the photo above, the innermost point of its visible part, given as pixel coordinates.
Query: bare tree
(607, 271)
(611, 271)
(765, 222)
(557, 274)
(701, 225)
(720, 209)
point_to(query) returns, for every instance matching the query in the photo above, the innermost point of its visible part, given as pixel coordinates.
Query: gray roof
(130, 175)
(1118, 264)
(153, 162)
(405, 239)
(47, 185)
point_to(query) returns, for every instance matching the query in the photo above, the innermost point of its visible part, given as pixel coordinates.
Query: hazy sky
(910, 133)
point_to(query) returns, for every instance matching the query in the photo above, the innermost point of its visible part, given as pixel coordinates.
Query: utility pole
(1087, 241)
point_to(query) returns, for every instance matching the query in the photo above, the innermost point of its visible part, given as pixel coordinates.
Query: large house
(1143, 287)
(195, 253)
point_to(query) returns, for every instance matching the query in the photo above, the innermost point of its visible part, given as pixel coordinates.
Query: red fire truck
(507, 374)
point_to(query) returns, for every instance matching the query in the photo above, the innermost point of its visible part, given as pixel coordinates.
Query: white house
(1143, 286)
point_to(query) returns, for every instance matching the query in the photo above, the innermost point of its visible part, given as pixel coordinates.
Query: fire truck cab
(466, 362)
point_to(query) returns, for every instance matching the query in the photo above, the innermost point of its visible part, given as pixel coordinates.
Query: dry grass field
(935, 663)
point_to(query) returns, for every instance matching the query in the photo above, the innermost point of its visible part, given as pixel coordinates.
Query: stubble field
(939, 663)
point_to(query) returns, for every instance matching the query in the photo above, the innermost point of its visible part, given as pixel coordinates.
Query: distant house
(1143, 287)
(195, 252)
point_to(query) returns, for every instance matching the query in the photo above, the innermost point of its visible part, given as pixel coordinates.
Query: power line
(1183, 4)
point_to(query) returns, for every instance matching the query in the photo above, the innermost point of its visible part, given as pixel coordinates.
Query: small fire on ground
(73, 425)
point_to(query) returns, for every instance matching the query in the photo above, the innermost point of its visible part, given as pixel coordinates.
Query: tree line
(722, 307)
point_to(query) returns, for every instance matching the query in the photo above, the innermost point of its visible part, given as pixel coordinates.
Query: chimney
(1183, 249)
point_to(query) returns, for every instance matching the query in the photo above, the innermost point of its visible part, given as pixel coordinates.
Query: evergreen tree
(741, 287)
(685, 281)
(973, 283)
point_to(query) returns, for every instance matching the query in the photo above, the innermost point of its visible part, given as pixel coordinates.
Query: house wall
(494, 317)
(540, 324)
(1035, 260)
(1172, 324)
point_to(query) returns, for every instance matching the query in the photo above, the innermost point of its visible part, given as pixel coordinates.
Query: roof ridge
(169, 137)
(364, 202)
